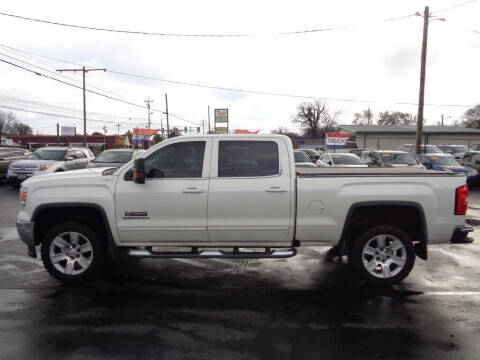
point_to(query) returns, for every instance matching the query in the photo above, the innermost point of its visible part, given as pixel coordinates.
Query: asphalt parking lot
(306, 307)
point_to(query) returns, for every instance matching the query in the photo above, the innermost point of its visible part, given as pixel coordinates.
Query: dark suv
(9, 154)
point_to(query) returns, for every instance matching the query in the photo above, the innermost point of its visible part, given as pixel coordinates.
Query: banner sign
(336, 140)
(141, 135)
(247, 132)
(68, 131)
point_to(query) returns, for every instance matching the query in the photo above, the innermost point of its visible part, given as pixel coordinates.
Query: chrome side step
(212, 254)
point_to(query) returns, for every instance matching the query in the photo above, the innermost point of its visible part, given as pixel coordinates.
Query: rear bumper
(460, 233)
(25, 231)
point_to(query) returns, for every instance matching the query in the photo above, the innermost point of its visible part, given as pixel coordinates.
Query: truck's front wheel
(383, 255)
(72, 252)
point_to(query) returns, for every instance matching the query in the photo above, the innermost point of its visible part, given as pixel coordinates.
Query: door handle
(192, 190)
(275, 189)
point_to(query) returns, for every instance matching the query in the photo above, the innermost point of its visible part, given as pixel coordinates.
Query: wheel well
(48, 217)
(407, 217)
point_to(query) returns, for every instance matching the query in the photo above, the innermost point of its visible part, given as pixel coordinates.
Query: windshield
(444, 160)
(339, 159)
(45, 154)
(398, 159)
(459, 148)
(301, 157)
(4, 154)
(431, 149)
(114, 157)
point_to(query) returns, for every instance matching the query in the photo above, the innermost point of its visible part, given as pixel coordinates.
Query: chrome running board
(212, 254)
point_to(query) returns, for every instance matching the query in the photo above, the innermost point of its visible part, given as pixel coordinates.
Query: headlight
(45, 167)
(23, 196)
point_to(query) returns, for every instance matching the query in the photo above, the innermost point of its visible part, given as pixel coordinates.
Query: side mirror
(69, 158)
(139, 170)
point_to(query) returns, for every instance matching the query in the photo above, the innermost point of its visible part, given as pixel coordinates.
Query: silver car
(340, 160)
(48, 160)
(302, 160)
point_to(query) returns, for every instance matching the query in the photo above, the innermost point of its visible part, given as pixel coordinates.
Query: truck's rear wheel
(72, 252)
(383, 255)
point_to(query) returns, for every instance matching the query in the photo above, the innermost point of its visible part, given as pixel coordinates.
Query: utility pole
(166, 112)
(442, 119)
(208, 132)
(118, 129)
(58, 134)
(104, 139)
(421, 94)
(203, 127)
(148, 101)
(84, 71)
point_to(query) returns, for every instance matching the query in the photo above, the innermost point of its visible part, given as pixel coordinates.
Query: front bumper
(25, 231)
(460, 234)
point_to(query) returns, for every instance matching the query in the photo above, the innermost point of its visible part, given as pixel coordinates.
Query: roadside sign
(221, 121)
(9, 142)
(68, 131)
(336, 140)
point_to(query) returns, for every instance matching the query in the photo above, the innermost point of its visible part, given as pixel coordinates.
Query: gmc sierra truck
(238, 196)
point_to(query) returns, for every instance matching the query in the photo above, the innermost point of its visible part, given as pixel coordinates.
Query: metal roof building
(391, 137)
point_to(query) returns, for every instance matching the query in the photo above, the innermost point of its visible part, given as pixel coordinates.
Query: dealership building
(391, 137)
(96, 143)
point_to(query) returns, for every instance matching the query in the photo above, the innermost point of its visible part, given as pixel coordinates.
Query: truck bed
(338, 171)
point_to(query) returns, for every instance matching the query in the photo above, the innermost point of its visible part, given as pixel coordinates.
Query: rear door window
(248, 158)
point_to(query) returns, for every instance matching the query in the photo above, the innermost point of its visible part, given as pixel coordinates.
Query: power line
(246, 91)
(454, 6)
(296, 32)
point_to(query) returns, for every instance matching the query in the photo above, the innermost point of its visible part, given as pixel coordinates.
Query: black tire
(357, 256)
(96, 256)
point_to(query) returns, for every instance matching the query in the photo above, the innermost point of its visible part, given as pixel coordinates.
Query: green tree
(157, 138)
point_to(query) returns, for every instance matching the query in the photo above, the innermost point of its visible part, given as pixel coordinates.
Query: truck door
(172, 204)
(250, 192)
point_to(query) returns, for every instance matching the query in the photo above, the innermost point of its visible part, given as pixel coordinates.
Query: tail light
(461, 195)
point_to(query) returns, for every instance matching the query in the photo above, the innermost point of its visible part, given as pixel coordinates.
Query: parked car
(456, 150)
(446, 162)
(380, 217)
(340, 160)
(425, 149)
(472, 159)
(475, 147)
(302, 160)
(48, 160)
(9, 154)
(112, 158)
(312, 154)
(389, 158)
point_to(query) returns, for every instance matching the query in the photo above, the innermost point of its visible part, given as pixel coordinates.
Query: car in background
(9, 154)
(312, 154)
(302, 160)
(340, 160)
(389, 158)
(425, 149)
(112, 158)
(472, 159)
(446, 162)
(47, 160)
(475, 147)
(456, 150)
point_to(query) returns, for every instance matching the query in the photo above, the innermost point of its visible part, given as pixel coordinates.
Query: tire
(72, 252)
(386, 264)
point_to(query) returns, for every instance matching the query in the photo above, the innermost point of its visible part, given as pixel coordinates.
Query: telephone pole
(166, 113)
(84, 71)
(208, 132)
(148, 101)
(423, 64)
(118, 129)
(421, 94)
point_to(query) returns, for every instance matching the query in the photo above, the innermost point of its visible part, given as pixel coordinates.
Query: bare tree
(315, 118)
(284, 131)
(365, 117)
(471, 118)
(396, 118)
(19, 128)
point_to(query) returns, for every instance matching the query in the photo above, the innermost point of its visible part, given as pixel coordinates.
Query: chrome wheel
(71, 253)
(384, 256)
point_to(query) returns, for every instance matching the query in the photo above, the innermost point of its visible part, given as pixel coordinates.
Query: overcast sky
(375, 61)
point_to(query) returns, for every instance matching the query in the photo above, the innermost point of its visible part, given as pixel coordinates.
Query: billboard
(68, 131)
(221, 121)
(336, 140)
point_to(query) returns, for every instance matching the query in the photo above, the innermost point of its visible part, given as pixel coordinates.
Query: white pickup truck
(236, 196)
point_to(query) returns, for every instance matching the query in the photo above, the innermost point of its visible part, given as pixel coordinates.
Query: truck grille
(27, 170)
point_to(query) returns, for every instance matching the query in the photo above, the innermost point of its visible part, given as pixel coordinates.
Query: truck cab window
(248, 158)
(179, 160)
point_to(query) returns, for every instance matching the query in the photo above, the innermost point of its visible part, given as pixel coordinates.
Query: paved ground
(306, 307)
